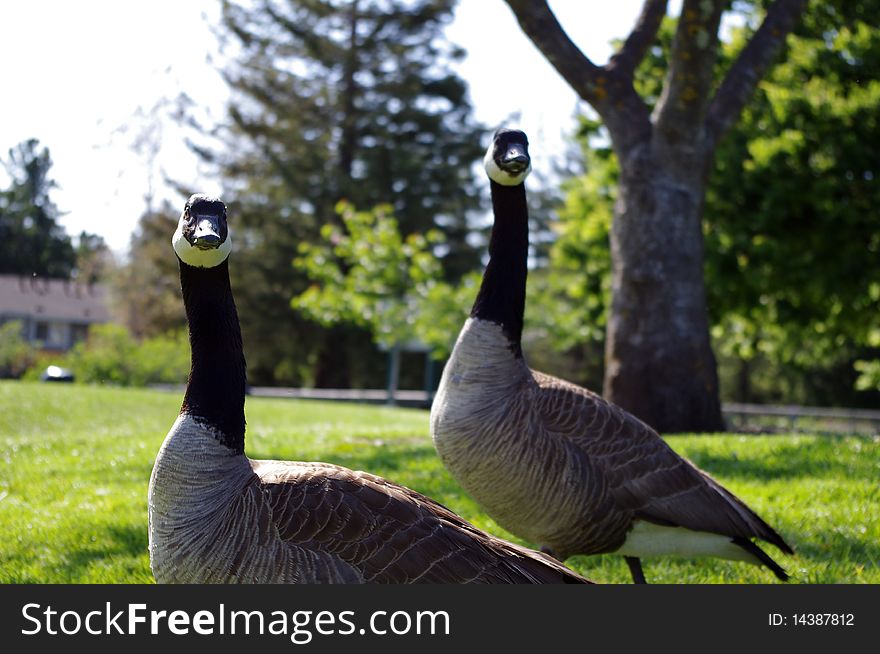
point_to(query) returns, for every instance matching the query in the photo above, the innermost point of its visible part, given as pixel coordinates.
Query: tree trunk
(744, 380)
(659, 361)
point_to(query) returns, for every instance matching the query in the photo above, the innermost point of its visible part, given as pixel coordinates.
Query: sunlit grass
(75, 462)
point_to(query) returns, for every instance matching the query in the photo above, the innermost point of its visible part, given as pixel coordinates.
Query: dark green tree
(32, 242)
(336, 100)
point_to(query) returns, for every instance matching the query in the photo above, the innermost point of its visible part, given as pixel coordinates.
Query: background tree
(567, 309)
(146, 287)
(790, 239)
(336, 100)
(32, 242)
(94, 260)
(368, 273)
(659, 361)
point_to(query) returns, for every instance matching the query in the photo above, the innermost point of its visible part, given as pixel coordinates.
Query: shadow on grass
(126, 542)
(789, 461)
(835, 547)
(113, 542)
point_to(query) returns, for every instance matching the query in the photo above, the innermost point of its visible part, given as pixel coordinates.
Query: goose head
(202, 237)
(507, 160)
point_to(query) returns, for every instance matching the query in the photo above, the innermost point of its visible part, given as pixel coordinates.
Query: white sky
(76, 73)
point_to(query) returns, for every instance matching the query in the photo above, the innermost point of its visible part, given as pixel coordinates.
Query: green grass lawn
(75, 463)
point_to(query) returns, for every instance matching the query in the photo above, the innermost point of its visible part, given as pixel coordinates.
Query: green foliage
(111, 355)
(75, 465)
(31, 240)
(869, 375)
(791, 239)
(792, 244)
(578, 279)
(16, 354)
(869, 370)
(368, 274)
(443, 310)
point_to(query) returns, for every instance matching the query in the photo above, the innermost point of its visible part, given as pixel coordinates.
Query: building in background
(55, 313)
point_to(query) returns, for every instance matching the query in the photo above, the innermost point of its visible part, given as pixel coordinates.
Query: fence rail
(373, 396)
(802, 418)
(738, 415)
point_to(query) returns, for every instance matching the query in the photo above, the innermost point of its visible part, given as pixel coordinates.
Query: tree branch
(541, 26)
(750, 66)
(682, 105)
(610, 92)
(640, 39)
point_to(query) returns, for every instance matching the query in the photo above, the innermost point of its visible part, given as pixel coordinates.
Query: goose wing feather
(389, 533)
(642, 473)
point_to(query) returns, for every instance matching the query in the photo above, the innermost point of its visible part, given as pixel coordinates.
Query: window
(41, 332)
(52, 334)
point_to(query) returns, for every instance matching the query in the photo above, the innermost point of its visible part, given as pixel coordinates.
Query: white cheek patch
(197, 257)
(501, 176)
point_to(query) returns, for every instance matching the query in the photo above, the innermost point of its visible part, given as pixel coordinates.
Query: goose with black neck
(216, 516)
(553, 462)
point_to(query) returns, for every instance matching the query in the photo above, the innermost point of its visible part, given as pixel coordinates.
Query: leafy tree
(791, 236)
(94, 261)
(790, 240)
(336, 100)
(660, 364)
(31, 240)
(368, 274)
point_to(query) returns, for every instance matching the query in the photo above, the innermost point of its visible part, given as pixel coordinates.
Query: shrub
(16, 354)
(111, 355)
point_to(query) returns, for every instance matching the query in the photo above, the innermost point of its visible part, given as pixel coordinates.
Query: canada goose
(217, 516)
(553, 462)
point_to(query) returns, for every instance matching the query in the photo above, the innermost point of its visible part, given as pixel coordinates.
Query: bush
(16, 354)
(112, 356)
(162, 359)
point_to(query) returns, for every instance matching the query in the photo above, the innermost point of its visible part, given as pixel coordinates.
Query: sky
(79, 76)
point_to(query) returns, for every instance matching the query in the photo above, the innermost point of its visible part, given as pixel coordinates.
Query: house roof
(41, 298)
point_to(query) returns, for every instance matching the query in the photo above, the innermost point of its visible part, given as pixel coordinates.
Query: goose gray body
(216, 516)
(551, 461)
(559, 466)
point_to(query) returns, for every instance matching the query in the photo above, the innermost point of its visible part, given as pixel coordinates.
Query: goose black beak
(207, 233)
(515, 160)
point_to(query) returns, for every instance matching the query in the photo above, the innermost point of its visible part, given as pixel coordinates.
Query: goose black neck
(216, 386)
(502, 295)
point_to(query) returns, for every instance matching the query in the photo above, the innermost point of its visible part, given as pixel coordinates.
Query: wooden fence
(739, 417)
(802, 418)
